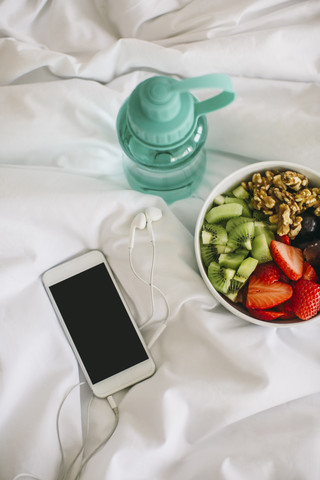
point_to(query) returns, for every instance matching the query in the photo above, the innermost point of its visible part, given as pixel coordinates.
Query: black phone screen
(98, 323)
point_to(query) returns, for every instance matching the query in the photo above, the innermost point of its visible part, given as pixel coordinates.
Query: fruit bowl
(217, 198)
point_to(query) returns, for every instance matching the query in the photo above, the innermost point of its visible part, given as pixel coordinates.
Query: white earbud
(140, 222)
(153, 214)
(143, 220)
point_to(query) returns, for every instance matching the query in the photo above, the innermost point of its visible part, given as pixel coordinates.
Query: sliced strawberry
(283, 239)
(286, 310)
(268, 272)
(284, 278)
(289, 259)
(267, 315)
(306, 299)
(262, 296)
(309, 272)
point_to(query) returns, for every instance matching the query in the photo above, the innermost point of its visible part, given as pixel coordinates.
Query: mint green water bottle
(162, 129)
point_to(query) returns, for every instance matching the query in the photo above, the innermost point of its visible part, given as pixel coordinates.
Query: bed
(229, 400)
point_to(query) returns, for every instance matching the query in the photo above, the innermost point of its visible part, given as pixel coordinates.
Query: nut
(294, 180)
(283, 196)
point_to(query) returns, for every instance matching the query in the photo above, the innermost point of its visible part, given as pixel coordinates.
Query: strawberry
(288, 258)
(268, 272)
(306, 299)
(284, 278)
(266, 315)
(309, 272)
(286, 310)
(262, 296)
(283, 238)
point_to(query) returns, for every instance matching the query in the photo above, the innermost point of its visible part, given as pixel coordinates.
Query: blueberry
(310, 227)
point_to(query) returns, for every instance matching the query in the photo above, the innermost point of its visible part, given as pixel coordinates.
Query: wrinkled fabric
(229, 400)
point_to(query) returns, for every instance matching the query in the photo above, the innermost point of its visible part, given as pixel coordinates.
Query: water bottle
(162, 129)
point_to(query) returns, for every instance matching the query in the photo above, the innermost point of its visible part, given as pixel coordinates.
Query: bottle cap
(162, 111)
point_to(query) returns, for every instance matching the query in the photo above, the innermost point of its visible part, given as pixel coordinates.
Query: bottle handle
(219, 81)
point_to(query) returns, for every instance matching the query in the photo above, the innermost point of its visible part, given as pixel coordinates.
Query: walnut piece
(283, 196)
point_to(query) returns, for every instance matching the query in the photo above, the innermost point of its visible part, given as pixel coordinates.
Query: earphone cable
(65, 475)
(152, 288)
(26, 475)
(115, 410)
(58, 421)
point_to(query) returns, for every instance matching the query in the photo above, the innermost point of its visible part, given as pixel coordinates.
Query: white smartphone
(98, 324)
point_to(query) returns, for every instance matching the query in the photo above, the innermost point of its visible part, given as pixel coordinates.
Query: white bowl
(245, 174)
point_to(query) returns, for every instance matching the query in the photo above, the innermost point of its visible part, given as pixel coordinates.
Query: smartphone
(98, 323)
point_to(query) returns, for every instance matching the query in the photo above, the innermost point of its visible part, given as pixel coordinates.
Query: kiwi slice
(210, 253)
(260, 249)
(243, 273)
(220, 277)
(246, 212)
(259, 215)
(241, 236)
(232, 259)
(223, 212)
(234, 289)
(219, 200)
(214, 233)
(261, 226)
(233, 222)
(241, 192)
(245, 269)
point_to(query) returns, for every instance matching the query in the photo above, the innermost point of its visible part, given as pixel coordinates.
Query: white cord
(58, 419)
(27, 475)
(152, 288)
(105, 440)
(65, 475)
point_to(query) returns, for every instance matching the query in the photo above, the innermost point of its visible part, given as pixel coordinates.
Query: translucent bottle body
(172, 172)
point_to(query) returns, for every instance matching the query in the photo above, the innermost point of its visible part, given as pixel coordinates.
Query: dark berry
(311, 253)
(310, 231)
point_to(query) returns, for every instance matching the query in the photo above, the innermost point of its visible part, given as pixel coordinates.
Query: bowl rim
(233, 179)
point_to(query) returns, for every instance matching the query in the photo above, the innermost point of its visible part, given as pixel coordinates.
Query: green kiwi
(210, 253)
(262, 225)
(243, 273)
(245, 269)
(232, 259)
(233, 222)
(223, 212)
(241, 236)
(220, 277)
(259, 215)
(246, 212)
(218, 200)
(241, 192)
(234, 289)
(260, 249)
(214, 233)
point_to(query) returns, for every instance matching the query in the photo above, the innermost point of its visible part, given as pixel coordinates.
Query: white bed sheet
(229, 400)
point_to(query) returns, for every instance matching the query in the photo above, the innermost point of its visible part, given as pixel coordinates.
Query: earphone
(142, 221)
